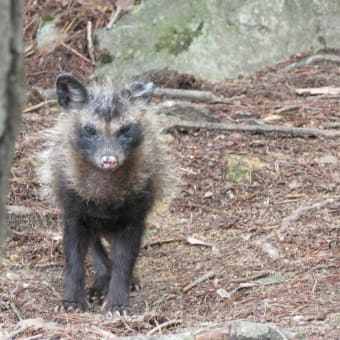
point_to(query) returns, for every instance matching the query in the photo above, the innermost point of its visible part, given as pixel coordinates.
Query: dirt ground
(262, 205)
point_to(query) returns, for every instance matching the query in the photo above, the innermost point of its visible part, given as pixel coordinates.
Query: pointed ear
(138, 90)
(71, 92)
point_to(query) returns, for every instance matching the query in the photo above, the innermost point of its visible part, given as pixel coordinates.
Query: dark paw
(136, 284)
(71, 306)
(95, 294)
(116, 310)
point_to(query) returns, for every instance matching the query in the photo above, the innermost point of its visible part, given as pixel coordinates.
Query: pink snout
(108, 162)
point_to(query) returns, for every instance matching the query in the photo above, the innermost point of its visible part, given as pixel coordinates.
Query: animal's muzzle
(109, 162)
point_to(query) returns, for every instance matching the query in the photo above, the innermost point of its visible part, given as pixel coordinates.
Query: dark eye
(89, 130)
(125, 128)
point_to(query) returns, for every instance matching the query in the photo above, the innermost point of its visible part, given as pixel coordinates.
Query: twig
(13, 334)
(296, 214)
(251, 277)
(314, 287)
(322, 58)
(164, 325)
(34, 337)
(314, 60)
(288, 108)
(16, 311)
(318, 90)
(335, 125)
(90, 43)
(275, 328)
(283, 130)
(76, 52)
(203, 96)
(201, 279)
(160, 242)
(40, 105)
(114, 17)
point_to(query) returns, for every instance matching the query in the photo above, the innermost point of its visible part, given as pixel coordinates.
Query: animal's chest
(103, 216)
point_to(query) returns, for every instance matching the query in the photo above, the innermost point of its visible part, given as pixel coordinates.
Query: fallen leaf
(223, 293)
(208, 194)
(227, 295)
(277, 278)
(197, 242)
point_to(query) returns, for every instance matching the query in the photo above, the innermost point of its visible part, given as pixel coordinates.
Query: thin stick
(288, 108)
(114, 17)
(160, 242)
(40, 105)
(90, 43)
(283, 130)
(251, 277)
(203, 96)
(318, 90)
(275, 328)
(201, 279)
(16, 311)
(164, 325)
(335, 125)
(76, 52)
(34, 337)
(296, 214)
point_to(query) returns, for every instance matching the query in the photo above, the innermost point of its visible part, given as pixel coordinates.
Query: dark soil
(237, 211)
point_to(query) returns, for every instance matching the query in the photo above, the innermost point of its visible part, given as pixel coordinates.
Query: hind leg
(102, 265)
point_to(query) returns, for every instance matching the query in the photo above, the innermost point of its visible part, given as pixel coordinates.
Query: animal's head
(105, 126)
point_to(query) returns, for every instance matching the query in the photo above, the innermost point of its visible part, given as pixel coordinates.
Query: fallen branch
(299, 212)
(201, 279)
(40, 105)
(318, 90)
(283, 130)
(164, 325)
(203, 96)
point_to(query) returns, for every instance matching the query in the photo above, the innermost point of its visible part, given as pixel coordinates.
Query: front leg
(76, 243)
(125, 245)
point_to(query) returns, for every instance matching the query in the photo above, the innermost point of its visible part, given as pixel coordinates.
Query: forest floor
(259, 212)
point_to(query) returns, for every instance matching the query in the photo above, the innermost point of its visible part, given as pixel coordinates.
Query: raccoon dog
(104, 165)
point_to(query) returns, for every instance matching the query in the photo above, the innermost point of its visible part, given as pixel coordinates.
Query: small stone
(19, 210)
(328, 159)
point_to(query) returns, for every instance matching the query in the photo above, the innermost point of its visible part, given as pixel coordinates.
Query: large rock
(230, 330)
(215, 39)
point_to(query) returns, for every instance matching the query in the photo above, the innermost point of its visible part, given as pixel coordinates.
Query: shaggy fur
(97, 202)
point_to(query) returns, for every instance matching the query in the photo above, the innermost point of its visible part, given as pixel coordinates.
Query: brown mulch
(239, 222)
